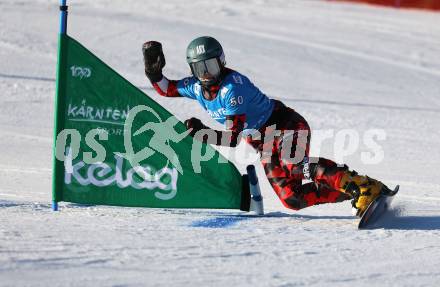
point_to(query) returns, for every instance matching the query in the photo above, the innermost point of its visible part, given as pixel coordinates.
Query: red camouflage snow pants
(286, 175)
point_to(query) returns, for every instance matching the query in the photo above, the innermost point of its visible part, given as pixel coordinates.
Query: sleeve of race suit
(231, 137)
(234, 125)
(166, 88)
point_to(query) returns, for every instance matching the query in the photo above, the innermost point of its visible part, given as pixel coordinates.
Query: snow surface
(340, 65)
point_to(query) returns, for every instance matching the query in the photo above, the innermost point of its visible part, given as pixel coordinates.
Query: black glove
(154, 60)
(194, 124)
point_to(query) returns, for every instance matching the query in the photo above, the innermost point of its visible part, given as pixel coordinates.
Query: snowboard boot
(363, 190)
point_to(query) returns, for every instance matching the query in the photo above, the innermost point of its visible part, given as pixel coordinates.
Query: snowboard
(376, 209)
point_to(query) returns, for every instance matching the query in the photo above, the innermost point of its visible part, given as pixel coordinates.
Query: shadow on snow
(401, 222)
(222, 219)
(392, 221)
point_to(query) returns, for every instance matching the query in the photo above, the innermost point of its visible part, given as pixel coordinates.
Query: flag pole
(59, 104)
(63, 16)
(256, 198)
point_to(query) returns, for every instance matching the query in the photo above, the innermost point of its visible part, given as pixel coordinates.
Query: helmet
(206, 59)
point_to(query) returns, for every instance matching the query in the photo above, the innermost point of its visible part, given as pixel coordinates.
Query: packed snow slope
(342, 66)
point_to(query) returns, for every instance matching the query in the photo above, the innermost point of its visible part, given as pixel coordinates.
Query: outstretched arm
(154, 61)
(231, 137)
(166, 88)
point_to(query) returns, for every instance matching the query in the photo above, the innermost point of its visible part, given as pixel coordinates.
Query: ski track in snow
(340, 65)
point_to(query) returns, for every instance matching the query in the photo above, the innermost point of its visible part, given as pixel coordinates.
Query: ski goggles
(206, 69)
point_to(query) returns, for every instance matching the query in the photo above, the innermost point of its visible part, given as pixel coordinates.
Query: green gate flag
(146, 160)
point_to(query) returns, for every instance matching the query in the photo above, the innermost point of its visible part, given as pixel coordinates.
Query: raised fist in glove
(154, 60)
(194, 124)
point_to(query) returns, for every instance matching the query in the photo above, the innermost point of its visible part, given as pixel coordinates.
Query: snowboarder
(231, 99)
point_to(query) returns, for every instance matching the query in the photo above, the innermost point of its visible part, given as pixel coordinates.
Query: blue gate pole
(63, 30)
(256, 198)
(63, 16)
